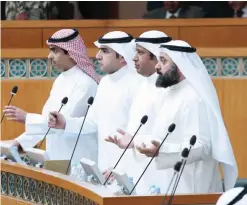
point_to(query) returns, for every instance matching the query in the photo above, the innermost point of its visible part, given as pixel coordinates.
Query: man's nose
(98, 56)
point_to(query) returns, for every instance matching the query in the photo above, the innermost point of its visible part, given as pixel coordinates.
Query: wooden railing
(28, 185)
(32, 53)
(198, 32)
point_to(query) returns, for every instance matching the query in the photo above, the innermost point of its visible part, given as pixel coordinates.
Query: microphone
(13, 92)
(63, 102)
(192, 143)
(184, 154)
(171, 128)
(177, 167)
(143, 122)
(89, 102)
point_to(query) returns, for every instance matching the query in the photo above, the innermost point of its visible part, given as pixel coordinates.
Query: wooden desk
(28, 185)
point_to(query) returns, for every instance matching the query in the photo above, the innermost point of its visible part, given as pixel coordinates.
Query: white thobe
(109, 112)
(148, 102)
(184, 107)
(78, 87)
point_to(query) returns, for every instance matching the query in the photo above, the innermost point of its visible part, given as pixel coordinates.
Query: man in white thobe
(148, 102)
(191, 104)
(78, 81)
(114, 97)
(235, 196)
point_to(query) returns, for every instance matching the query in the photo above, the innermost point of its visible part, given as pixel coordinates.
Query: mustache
(158, 72)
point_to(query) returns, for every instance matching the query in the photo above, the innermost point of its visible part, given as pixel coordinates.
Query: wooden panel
(233, 100)
(176, 22)
(218, 36)
(222, 52)
(31, 97)
(94, 193)
(22, 203)
(170, 31)
(21, 38)
(43, 52)
(89, 35)
(24, 53)
(35, 53)
(6, 200)
(209, 199)
(198, 32)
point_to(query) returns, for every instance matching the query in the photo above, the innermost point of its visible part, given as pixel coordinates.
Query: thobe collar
(71, 71)
(178, 86)
(118, 74)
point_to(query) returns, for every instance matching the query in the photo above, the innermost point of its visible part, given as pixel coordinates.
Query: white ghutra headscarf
(71, 41)
(120, 42)
(151, 40)
(236, 196)
(192, 67)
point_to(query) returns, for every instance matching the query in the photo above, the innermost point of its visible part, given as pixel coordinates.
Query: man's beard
(170, 78)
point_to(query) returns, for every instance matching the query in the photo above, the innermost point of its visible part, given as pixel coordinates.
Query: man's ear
(122, 60)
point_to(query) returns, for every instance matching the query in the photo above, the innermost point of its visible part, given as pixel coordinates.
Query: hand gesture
(122, 139)
(149, 151)
(56, 120)
(14, 113)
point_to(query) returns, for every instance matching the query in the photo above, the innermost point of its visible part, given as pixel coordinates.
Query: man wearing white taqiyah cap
(78, 81)
(235, 196)
(114, 97)
(192, 104)
(148, 102)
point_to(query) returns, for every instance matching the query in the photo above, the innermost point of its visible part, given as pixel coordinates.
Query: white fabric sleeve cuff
(73, 126)
(171, 153)
(28, 141)
(36, 124)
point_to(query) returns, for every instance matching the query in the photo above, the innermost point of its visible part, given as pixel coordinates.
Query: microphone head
(90, 101)
(193, 140)
(144, 119)
(177, 166)
(185, 153)
(64, 100)
(14, 90)
(172, 127)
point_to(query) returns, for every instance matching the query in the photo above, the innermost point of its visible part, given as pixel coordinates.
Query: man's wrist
(25, 117)
(64, 125)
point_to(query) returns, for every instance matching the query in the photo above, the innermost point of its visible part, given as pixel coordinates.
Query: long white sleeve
(73, 125)
(193, 121)
(37, 125)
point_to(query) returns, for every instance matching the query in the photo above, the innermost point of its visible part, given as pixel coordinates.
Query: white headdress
(120, 42)
(192, 67)
(151, 40)
(236, 196)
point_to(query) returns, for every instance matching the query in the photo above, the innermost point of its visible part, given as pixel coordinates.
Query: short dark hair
(65, 51)
(152, 56)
